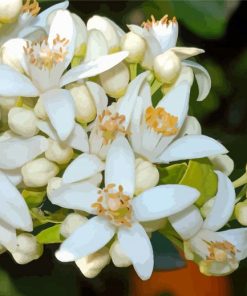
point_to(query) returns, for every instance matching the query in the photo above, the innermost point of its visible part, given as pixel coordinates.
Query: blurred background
(220, 28)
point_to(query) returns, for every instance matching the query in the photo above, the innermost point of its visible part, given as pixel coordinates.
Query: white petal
(77, 196)
(163, 201)
(99, 96)
(223, 205)
(14, 176)
(78, 139)
(93, 68)
(120, 166)
(186, 52)
(7, 236)
(238, 237)
(191, 147)
(13, 210)
(60, 108)
(222, 163)
(191, 126)
(202, 77)
(63, 26)
(18, 151)
(96, 45)
(187, 222)
(83, 167)
(14, 83)
(176, 102)
(87, 239)
(135, 243)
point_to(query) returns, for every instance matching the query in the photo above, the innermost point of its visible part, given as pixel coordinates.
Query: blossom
(161, 38)
(13, 210)
(45, 63)
(29, 20)
(219, 251)
(115, 208)
(154, 131)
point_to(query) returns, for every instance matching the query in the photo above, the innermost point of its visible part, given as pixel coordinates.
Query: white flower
(154, 131)
(45, 63)
(161, 38)
(29, 20)
(115, 119)
(13, 209)
(220, 251)
(115, 209)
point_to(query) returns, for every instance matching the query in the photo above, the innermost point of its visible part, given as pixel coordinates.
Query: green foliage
(41, 217)
(7, 287)
(172, 174)
(50, 235)
(33, 198)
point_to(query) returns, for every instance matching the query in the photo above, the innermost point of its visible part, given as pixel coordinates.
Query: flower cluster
(98, 150)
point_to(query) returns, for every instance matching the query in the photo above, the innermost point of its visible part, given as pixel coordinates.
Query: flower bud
(91, 265)
(22, 122)
(115, 81)
(28, 249)
(207, 207)
(241, 212)
(222, 163)
(53, 184)
(106, 27)
(71, 223)
(167, 67)
(147, 175)
(118, 257)
(12, 53)
(135, 45)
(38, 172)
(59, 153)
(84, 104)
(39, 110)
(151, 226)
(9, 10)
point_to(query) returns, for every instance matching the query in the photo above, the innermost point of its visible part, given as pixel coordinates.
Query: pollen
(161, 121)
(221, 251)
(43, 56)
(31, 6)
(114, 204)
(163, 21)
(111, 124)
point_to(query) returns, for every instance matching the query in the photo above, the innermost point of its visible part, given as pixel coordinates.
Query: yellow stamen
(221, 251)
(164, 21)
(114, 205)
(31, 6)
(161, 121)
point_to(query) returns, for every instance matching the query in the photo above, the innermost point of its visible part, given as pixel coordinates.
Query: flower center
(221, 251)
(31, 6)
(161, 121)
(110, 125)
(163, 21)
(43, 56)
(114, 205)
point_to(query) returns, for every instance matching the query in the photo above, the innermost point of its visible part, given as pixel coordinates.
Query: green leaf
(42, 217)
(50, 235)
(166, 256)
(7, 287)
(172, 174)
(33, 198)
(200, 175)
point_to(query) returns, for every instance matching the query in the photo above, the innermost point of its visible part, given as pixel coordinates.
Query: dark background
(220, 28)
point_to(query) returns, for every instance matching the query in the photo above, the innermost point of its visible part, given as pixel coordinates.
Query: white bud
(28, 249)
(147, 175)
(23, 122)
(12, 53)
(106, 27)
(91, 265)
(71, 223)
(115, 81)
(241, 212)
(118, 257)
(38, 172)
(167, 67)
(207, 207)
(9, 10)
(151, 226)
(84, 104)
(39, 110)
(222, 163)
(59, 153)
(135, 45)
(53, 184)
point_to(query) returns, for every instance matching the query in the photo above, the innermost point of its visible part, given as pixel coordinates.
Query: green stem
(155, 86)
(240, 181)
(133, 71)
